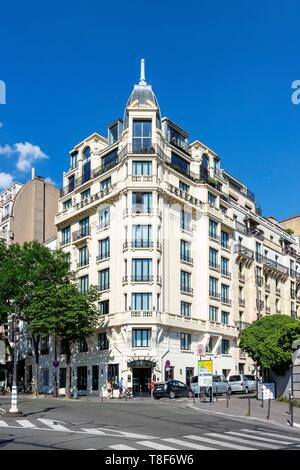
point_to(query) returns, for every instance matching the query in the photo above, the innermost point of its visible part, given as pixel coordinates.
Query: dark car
(171, 389)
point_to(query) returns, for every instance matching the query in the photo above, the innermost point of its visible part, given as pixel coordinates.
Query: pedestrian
(152, 385)
(120, 386)
(109, 389)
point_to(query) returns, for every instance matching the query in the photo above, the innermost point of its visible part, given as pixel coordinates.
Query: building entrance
(141, 378)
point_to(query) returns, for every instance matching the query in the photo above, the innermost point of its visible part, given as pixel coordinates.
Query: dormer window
(142, 136)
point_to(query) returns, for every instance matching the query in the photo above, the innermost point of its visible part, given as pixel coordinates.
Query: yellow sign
(205, 367)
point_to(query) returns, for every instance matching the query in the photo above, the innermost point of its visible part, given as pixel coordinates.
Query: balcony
(258, 257)
(104, 256)
(149, 149)
(65, 242)
(186, 289)
(242, 302)
(241, 325)
(226, 301)
(82, 264)
(272, 265)
(214, 237)
(226, 274)
(259, 280)
(103, 287)
(214, 266)
(142, 278)
(186, 258)
(214, 295)
(267, 288)
(244, 252)
(81, 234)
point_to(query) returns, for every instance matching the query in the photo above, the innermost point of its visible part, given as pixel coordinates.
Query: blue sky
(221, 70)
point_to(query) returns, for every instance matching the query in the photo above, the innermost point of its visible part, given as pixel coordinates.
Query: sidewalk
(239, 407)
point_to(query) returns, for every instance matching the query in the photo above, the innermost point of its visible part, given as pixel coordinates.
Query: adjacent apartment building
(179, 251)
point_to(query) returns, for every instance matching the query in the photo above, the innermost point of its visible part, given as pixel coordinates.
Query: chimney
(32, 173)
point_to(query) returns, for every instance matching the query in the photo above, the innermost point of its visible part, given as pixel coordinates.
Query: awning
(141, 361)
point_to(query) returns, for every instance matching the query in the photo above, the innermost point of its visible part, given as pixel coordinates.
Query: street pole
(269, 409)
(14, 392)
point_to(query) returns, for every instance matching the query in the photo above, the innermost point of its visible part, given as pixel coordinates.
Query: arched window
(86, 154)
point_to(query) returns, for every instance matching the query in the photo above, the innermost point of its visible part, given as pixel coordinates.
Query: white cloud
(6, 180)
(1, 124)
(26, 153)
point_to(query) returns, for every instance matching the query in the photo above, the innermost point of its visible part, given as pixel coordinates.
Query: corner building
(177, 248)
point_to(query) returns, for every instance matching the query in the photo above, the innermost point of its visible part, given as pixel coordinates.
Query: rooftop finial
(142, 79)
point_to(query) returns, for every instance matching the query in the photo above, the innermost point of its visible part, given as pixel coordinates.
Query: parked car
(243, 383)
(171, 389)
(220, 383)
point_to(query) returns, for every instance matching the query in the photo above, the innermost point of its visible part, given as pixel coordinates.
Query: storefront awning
(141, 361)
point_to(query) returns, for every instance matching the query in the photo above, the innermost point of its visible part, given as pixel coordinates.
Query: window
(104, 248)
(109, 160)
(85, 194)
(216, 166)
(224, 266)
(71, 183)
(185, 281)
(142, 203)
(142, 168)
(213, 287)
(213, 227)
(67, 258)
(224, 293)
(84, 227)
(105, 183)
(142, 269)
(185, 251)
(213, 258)
(103, 341)
(74, 160)
(141, 301)
(185, 341)
(212, 199)
(180, 164)
(82, 347)
(67, 204)
(185, 309)
(103, 307)
(83, 256)
(66, 235)
(141, 236)
(86, 168)
(225, 346)
(104, 218)
(44, 345)
(185, 220)
(45, 377)
(141, 338)
(103, 279)
(225, 318)
(223, 209)
(95, 377)
(62, 377)
(142, 136)
(84, 284)
(184, 187)
(224, 239)
(213, 313)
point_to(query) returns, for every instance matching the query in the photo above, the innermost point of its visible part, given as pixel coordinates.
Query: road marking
(3, 424)
(245, 441)
(187, 444)
(217, 442)
(259, 438)
(272, 434)
(93, 431)
(92, 448)
(121, 447)
(155, 445)
(26, 424)
(53, 424)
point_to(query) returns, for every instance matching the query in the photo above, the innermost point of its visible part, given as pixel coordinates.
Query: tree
(23, 269)
(268, 341)
(65, 312)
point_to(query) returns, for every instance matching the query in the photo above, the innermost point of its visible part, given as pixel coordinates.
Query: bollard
(262, 397)
(216, 392)
(269, 408)
(140, 392)
(249, 407)
(291, 422)
(227, 398)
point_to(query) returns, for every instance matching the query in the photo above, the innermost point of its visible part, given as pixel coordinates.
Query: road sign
(55, 363)
(200, 350)
(168, 364)
(205, 367)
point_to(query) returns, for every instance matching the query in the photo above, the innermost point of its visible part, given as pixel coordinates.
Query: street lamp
(14, 341)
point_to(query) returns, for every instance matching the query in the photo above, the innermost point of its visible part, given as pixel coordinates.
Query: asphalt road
(135, 424)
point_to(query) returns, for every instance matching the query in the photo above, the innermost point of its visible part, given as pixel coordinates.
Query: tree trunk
(68, 375)
(36, 344)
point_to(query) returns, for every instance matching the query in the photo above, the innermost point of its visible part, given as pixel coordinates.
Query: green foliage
(212, 181)
(268, 341)
(290, 231)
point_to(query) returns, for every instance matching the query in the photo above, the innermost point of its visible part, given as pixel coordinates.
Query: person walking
(110, 389)
(152, 385)
(121, 388)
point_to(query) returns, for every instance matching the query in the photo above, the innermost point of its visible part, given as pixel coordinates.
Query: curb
(251, 418)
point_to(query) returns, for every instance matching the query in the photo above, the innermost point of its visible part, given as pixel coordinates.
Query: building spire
(142, 78)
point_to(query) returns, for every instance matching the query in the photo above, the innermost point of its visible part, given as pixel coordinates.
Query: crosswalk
(235, 439)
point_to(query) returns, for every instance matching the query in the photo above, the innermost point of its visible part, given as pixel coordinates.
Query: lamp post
(14, 393)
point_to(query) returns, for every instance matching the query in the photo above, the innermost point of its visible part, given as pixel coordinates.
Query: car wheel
(246, 390)
(171, 395)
